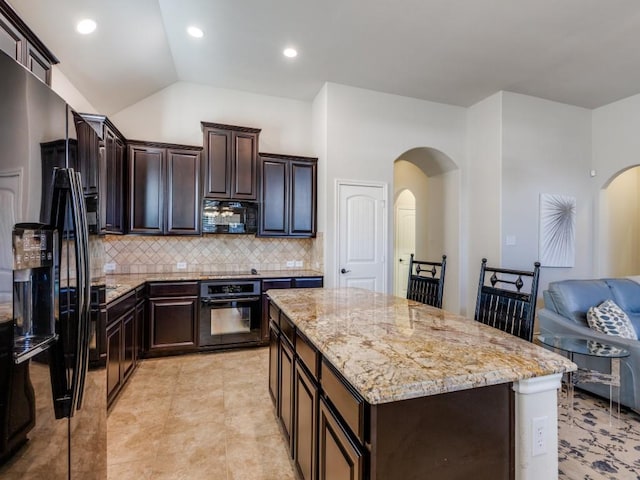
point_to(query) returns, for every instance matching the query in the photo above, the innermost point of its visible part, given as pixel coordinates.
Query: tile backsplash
(210, 253)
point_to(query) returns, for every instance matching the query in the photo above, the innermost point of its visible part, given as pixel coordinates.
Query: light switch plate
(109, 267)
(290, 263)
(298, 263)
(181, 266)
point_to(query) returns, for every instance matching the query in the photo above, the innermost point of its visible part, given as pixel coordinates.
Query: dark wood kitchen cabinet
(230, 162)
(288, 196)
(121, 333)
(172, 317)
(110, 172)
(20, 43)
(164, 189)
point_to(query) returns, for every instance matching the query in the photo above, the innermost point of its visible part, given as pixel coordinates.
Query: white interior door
(362, 235)
(405, 245)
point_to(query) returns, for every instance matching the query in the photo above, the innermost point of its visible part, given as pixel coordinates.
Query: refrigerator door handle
(81, 359)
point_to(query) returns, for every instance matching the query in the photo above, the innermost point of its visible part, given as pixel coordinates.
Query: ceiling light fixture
(86, 26)
(290, 52)
(195, 31)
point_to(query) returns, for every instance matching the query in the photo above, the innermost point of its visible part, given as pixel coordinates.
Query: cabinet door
(114, 351)
(338, 457)
(183, 192)
(274, 220)
(217, 171)
(38, 64)
(140, 323)
(285, 390)
(172, 323)
(12, 42)
(305, 423)
(146, 196)
(244, 168)
(112, 191)
(128, 343)
(302, 211)
(274, 342)
(88, 153)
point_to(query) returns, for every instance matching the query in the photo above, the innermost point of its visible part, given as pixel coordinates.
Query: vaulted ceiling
(581, 52)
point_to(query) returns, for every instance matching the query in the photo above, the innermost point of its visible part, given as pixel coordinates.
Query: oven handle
(232, 299)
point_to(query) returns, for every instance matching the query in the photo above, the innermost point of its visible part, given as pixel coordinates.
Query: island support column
(536, 425)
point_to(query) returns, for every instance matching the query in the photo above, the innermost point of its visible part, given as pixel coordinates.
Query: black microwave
(219, 216)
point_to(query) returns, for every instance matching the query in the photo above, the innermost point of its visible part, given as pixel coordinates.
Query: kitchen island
(368, 385)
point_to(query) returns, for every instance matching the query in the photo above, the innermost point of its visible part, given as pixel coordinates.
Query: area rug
(593, 445)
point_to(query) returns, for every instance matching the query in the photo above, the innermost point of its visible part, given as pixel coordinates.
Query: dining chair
(507, 299)
(426, 281)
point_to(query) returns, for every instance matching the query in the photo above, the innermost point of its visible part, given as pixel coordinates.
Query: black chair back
(507, 300)
(425, 285)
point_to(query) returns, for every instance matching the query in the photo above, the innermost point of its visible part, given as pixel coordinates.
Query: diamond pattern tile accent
(229, 253)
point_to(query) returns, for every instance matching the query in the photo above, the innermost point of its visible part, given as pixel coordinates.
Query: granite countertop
(391, 349)
(6, 311)
(121, 284)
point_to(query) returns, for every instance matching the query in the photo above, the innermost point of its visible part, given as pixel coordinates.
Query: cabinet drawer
(274, 315)
(120, 306)
(347, 403)
(276, 283)
(173, 289)
(308, 282)
(307, 354)
(288, 329)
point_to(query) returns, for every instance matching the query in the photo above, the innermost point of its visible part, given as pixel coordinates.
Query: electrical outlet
(298, 263)
(181, 265)
(109, 267)
(290, 263)
(539, 432)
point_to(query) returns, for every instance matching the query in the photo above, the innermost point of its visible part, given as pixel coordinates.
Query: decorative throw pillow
(609, 318)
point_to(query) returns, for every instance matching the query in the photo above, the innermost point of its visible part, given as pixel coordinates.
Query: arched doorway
(619, 225)
(433, 179)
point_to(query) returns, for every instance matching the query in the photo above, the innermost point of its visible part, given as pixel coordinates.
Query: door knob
(344, 270)
(401, 260)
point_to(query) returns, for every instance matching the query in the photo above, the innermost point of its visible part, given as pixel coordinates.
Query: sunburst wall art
(557, 230)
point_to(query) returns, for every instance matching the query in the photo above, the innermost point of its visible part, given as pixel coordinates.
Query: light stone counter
(391, 349)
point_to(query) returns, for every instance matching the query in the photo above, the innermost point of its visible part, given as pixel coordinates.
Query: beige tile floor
(206, 416)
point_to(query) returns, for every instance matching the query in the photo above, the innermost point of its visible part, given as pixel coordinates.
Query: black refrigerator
(52, 404)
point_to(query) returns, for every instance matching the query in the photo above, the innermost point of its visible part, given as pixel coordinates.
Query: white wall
(482, 189)
(174, 114)
(366, 132)
(546, 148)
(63, 87)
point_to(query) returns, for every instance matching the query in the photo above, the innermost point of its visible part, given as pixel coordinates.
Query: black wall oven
(229, 312)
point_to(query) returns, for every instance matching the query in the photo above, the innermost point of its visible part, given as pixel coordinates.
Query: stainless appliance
(229, 217)
(52, 408)
(229, 312)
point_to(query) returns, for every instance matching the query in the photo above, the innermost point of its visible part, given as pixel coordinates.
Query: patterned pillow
(609, 318)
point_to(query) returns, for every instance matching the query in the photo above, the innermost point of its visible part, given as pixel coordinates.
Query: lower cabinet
(121, 338)
(173, 317)
(307, 393)
(305, 423)
(338, 457)
(285, 392)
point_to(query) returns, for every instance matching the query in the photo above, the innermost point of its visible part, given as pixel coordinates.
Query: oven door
(228, 321)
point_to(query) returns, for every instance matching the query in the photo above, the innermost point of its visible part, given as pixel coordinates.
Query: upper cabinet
(230, 162)
(21, 44)
(164, 186)
(288, 196)
(110, 173)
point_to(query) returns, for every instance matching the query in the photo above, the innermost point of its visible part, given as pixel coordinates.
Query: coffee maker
(35, 252)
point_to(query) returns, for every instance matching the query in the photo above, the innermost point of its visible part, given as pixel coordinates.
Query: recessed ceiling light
(290, 52)
(86, 26)
(195, 32)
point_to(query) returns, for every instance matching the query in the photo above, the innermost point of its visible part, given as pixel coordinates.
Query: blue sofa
(565, 307)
